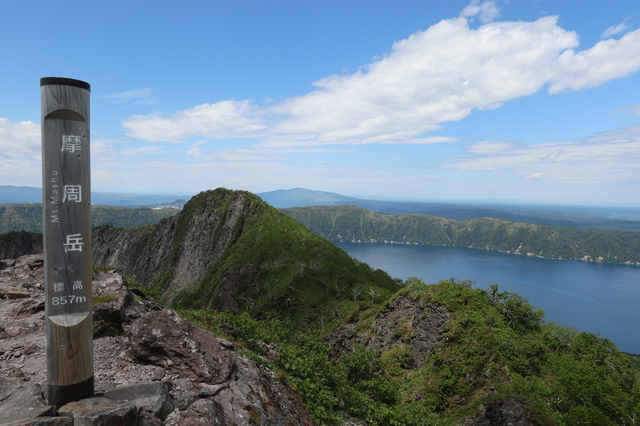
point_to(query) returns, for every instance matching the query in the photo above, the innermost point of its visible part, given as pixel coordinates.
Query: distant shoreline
(589, 260)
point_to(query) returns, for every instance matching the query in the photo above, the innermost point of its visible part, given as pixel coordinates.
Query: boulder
(21, 401)
(217, 386)
(504, 412)
(152, 397)
(101, 411)
(166, 339)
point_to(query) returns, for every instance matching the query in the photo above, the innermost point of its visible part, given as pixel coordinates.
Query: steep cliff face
(207, 227)
(178, 251)
(140, 252)
(230, 250)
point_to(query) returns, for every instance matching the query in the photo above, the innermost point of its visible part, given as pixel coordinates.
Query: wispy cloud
(434, 76)
(139, 151)
(616, 29)
(140, 96)
(608, 157)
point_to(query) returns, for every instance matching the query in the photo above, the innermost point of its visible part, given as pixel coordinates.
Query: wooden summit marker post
(66, 208)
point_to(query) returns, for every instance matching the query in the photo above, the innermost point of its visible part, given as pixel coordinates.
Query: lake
(601, 298)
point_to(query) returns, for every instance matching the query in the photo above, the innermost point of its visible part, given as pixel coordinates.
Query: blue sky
(533, 100)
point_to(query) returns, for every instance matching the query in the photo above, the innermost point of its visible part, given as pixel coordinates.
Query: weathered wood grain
(67, 238)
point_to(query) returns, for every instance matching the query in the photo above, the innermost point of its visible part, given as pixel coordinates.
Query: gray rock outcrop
(16, 244)
(151, 367)
(404, 321)
(181, 249)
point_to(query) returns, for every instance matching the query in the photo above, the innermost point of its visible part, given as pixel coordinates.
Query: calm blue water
(600, 298)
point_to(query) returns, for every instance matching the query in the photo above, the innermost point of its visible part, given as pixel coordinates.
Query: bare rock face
(140, 252)
(404, 322)
(504, 412)
(16, 244)
(165, 339)
(180, 249)
(238, 390)
(151, 366)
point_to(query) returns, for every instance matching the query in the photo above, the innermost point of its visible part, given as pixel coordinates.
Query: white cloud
(615, 29)
(607, 60)
(432, 77)
(487, 11)
(20, 144)
(19, 140)
(225, 119)
(609, 157)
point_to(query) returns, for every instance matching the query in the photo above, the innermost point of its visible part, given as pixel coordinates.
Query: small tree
(356, 291)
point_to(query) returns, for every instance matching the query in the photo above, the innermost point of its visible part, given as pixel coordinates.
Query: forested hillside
(28, 217)
(351, 223)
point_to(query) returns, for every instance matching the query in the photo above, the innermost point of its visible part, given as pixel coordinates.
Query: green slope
(28, 217)
(272, 264)
(351, 223)
(230, 250)
(444, 354)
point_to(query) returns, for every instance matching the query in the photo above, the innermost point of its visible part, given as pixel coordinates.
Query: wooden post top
(62, 81)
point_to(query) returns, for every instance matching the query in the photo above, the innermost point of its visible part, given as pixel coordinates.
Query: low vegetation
(495, 347)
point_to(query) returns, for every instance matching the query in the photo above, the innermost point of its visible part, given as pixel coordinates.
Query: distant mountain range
(596, 217)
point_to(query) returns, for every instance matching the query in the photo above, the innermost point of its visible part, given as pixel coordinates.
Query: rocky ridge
(151, 366)
(183, 247)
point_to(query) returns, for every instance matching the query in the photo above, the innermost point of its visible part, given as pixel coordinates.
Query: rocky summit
(152, 367)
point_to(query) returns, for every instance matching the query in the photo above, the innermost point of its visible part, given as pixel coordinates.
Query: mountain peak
(230, 250)
(300, 197)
